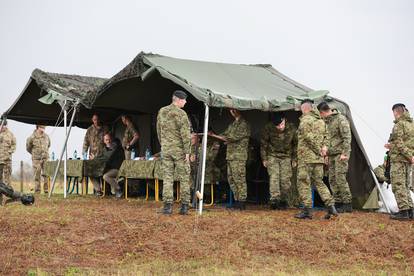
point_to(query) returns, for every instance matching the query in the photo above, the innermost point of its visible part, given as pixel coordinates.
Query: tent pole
(63, 150)
(65, 119)
(379, 191)
(204, 157)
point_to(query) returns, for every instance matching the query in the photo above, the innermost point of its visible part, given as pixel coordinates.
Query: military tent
(147, 82)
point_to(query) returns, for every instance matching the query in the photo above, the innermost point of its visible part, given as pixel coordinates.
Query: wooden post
(21, 176)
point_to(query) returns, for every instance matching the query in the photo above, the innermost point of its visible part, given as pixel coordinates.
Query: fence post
(21, 176)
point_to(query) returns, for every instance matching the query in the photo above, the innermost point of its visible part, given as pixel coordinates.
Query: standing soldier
(173, 130)
(94, 143)
(339, 150)
(7, 148)
(94, 138)
(236, 137)
(277, 149)
(131, 136)
(401, 146)
(311, 151)
(38, 145)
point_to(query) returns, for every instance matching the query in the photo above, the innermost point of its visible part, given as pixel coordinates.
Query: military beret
(323, 106)
(180, 94)
(306, 101)
(278, 118)
(397, 105)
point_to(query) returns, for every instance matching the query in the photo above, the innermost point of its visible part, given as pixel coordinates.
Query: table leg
(126, 188)
(157, 190)
(147, 192)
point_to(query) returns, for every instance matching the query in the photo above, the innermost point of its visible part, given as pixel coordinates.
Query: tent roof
(244, 87)
(52, 88)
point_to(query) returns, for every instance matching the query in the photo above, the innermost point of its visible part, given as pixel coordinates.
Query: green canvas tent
(146, 84)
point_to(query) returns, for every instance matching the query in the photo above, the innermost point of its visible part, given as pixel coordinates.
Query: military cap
(180, 94)
(306, 101)
(397, 105)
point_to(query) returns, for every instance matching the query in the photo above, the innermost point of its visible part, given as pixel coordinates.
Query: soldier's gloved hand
(265, 163)
(128, 147)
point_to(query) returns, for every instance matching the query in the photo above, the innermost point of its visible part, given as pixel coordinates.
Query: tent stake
(204, 157)
(63, 150)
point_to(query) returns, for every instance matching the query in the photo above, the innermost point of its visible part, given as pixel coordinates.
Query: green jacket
(311, 138)
(279, 144)
(173, 130)
(402, 139)
(237, 135)
(339, 134)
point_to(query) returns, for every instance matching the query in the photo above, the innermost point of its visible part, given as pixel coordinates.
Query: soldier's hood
(404, 117)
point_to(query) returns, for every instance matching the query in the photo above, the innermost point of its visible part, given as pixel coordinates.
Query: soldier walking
(174, 135)
(401, 146)
(277, 150)
(236, 136)
(339, 150)
(38, 145)
(311, 151)
(7, 148)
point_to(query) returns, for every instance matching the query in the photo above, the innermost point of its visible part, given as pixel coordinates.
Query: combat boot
(167, 209)
(346, 208)
(184, 209)
(274, 204)
(339, 206)
(331, 211)
(242, 205)
(304, 214)
(283, 204)
(401, 215)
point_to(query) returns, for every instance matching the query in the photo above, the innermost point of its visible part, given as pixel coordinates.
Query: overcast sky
(361, 51)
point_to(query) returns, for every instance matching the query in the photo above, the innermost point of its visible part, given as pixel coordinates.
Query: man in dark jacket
(114, 155)
(26, 199)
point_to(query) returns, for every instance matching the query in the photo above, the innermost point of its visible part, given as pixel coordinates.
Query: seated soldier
(114, 155)
(8, 191)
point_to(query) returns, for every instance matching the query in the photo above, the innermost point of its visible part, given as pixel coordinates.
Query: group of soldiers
(319, 146)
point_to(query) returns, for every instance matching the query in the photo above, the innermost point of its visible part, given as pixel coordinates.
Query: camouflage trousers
(111, 177)
(308, 175)
(400, 180)
(5, 172)
(182, 169)
(236, 175)
(280, 173)
(337, 179)
(38, 168)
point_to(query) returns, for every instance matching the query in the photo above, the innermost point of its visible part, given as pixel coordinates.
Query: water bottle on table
(132, 154)
(147, 154)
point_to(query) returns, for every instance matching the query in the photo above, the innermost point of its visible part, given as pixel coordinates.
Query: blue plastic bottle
(53, 156)
(132, 154)
(75, 155)
(147, 154)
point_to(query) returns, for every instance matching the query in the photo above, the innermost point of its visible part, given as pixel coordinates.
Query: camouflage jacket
(94, 140)
(402, 139)
(173, 130)
(311, 138)
(38, 146)
(237, 135)
(7, 146)
(130, 131)
(339, 134)
(380, 174)
(276, 143)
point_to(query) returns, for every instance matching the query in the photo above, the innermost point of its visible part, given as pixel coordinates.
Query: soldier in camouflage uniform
(311, 151)
(339, 150)
(236, 136)
(277, 150)
(382, 172)
(173, 130)
(401, 146)
(131, 136)
(93, 142)
(7, 148)
(38, 145)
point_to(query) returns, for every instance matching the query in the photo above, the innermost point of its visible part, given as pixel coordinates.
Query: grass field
(105, 236)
